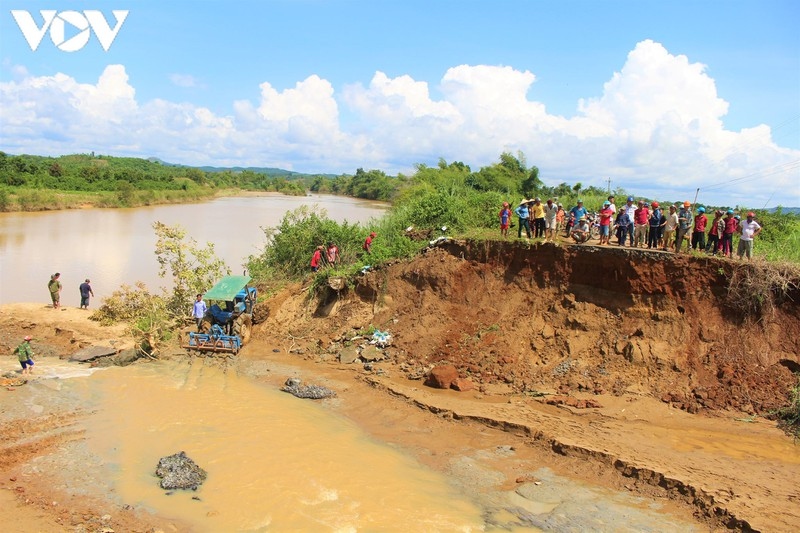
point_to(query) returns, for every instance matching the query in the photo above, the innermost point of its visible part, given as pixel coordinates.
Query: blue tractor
(229, 320)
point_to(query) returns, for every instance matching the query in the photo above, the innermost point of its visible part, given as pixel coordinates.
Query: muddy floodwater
(116, 246)
(274, 462)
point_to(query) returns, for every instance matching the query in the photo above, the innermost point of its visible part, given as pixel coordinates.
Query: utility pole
(609, 185)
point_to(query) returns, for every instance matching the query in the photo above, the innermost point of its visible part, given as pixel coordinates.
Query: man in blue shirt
(577, 212)
(522, 213)
(199, 310)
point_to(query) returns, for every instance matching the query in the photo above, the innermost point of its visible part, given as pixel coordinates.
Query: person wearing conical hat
(522, 212)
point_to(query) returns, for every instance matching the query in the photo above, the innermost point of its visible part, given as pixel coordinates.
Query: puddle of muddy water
(274, 462)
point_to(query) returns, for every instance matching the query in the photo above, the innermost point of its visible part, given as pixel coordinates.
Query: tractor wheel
(242, 326)
(205, 325)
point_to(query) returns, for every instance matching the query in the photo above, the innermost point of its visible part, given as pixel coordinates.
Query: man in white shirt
(748, 230)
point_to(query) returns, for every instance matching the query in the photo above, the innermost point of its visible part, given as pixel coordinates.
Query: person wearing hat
(630, 211)
(670, 226)
(699, 233)
(621, 225)
(550, 213)
(727, 234)
(537, 218)
(580, 233)
(505, 220)
(748, 229)
(54, 286)
(656, 228)
(522, 212)
(684, 224)
(714, 234)
(368, 242)
(316, 258)
(86, 290)
(25, 355)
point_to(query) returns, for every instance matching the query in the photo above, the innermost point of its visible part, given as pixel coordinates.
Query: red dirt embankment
(639, 333)
(589, 319)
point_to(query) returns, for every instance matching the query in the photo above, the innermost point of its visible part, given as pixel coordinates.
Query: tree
(193, 269)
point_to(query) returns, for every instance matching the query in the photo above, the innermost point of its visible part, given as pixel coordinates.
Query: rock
(462, 385)
(548, 332)
(91, 353)
(349, 354)
(178, 471)
(442, 377)
(313, 392)
(371, 354)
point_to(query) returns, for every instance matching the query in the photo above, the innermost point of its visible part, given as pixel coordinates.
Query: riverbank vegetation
(37, 183)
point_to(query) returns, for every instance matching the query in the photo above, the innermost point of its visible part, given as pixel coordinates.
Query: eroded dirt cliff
(574, 318)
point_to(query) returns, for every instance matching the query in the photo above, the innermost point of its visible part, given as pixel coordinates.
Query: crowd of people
(640, 224)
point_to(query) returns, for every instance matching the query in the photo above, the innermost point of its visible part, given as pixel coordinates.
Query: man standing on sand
(748, 230)
(25, 355)
(86, 291)
(54, 286)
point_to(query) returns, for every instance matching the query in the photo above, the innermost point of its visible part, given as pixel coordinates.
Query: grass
(789, 416)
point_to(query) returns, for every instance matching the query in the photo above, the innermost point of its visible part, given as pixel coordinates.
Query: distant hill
(792, 210)
(272, 171)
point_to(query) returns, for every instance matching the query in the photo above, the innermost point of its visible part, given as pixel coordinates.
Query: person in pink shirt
(641, 220)
(727, 234)
(605, 222)
(699, 233)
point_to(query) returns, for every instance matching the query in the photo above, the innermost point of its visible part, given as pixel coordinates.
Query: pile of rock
(178, 471)
(314, 392)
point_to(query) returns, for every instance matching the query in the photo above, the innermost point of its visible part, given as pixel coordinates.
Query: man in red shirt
(699, 233)
(316, 258)
(368, 243)
(727, 234)
(605, 222)
(641, 220)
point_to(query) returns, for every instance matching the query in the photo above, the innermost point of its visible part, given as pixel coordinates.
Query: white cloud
(183, 80)
(656, 129)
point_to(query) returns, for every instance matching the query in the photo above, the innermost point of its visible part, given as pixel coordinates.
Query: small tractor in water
(228, 323)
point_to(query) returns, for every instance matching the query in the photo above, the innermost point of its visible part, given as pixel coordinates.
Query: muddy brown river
(274, 462)
(116, 246)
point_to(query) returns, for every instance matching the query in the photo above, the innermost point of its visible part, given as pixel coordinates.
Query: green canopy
(227, 288)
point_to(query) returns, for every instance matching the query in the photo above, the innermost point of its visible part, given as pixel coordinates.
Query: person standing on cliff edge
(54, 286)
(86, 291)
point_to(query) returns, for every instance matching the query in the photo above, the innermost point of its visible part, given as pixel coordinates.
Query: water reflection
(116, 246)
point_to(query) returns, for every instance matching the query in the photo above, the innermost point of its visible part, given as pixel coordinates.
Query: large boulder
(442, 377)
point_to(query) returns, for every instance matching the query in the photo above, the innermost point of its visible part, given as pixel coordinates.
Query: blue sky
(662, 97)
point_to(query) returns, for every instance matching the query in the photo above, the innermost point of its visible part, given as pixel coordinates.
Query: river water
(275, 462)
(116, 246)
